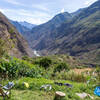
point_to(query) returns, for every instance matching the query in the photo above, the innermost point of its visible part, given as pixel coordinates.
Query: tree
(61, 66)
(45, 62)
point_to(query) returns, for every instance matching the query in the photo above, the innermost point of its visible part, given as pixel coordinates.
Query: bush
(19, 68)
(26, 58)
(62, 66)
(45, 62)
(11, 30)
(98, 74)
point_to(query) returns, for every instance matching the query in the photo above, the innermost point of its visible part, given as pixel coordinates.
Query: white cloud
(35, 17)
(89, 2)
(36, 6)
(14, 2)
(32, 14)
(6, 10)
(40, 7)
(35, 21)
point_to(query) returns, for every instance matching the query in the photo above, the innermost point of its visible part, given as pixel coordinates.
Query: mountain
(77, 36)
(39, 32)
(16, 44)
(26, 24)
(23, 30)
(77, 12)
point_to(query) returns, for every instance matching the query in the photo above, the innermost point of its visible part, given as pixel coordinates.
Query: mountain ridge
(27, 24)
(17, 45)
(71, 35)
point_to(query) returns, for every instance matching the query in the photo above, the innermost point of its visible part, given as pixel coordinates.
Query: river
(36, 53)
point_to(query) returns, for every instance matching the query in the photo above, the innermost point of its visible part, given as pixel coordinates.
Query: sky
(39, 11)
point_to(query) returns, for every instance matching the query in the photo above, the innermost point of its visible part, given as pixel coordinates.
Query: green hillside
(77, 36)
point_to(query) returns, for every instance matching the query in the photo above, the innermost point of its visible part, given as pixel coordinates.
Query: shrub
(26, 58)
(62, 66)
(98, 74)
(11, 30)
(19, 68)
(45, 62)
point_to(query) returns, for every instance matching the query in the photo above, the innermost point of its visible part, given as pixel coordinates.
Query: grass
(20, 92)
(31, 95)
(40, 76)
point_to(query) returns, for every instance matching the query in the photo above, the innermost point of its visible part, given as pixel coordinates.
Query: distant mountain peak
(59, 19)
(27, 24)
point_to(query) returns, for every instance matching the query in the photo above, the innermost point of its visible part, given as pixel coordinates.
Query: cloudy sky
(39, 11)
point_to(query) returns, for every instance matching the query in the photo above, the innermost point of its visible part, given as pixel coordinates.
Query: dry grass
(80, 71)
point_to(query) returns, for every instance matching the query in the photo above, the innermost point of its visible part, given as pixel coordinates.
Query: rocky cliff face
(16, 44)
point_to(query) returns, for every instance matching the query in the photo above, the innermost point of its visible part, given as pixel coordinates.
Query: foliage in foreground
(14, 68)
(27, 71)
(11, 67)
(33, 92)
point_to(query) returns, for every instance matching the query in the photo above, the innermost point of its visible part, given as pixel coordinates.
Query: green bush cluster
(41, 67)
(62, 66)
(18, 68)
(45, 62)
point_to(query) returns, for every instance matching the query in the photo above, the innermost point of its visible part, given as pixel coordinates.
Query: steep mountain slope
(16, 44)
(77, 12)
(23, 28)
(78, 36)
(82, 30)
(19, 27)
(40, 32)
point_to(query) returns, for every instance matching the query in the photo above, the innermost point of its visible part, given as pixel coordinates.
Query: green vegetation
(20, 92)
(2, 47)
(60, 67)
(14, 68)
(45, 70)
(71, 75)
(62, 72)
(98, 74)
(45, 62)
(11, 30)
